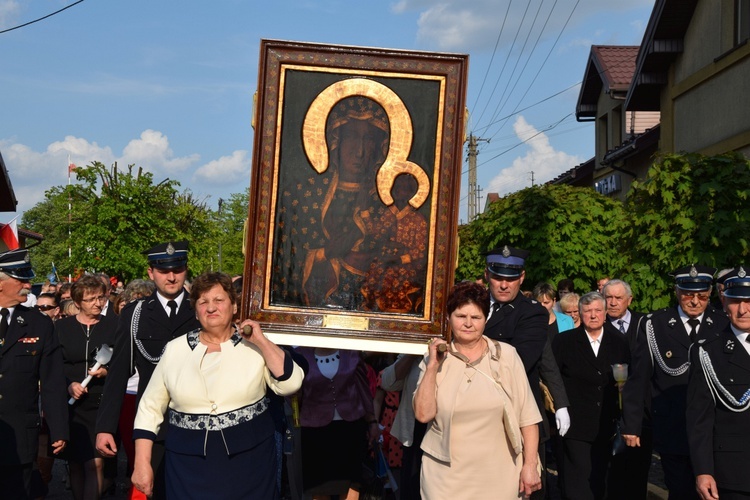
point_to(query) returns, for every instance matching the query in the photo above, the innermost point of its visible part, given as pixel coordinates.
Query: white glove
(562, 419)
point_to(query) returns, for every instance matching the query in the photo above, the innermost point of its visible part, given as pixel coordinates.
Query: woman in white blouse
(211, 383)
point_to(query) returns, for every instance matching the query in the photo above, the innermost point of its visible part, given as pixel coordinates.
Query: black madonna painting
(354, 197)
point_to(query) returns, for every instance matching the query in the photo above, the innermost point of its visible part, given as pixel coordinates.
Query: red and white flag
(71, 167)
(9, 234)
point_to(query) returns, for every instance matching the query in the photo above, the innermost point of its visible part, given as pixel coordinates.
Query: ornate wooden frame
(423, 98)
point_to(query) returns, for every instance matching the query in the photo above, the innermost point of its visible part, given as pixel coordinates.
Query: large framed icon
(352, 231)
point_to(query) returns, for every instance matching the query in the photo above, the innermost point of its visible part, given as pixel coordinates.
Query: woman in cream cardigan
(211, 383)
(482, 432)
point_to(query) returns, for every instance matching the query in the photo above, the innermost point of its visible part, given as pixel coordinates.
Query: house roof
(8, 200)
(633, 145)
(576, 176)
(662, 43)
(610, 69)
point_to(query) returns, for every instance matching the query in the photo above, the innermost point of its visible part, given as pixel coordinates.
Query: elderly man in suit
(659, 376)
(718, 399)
(585, 356)
(143, 331)
(619, 296)
(630, 468)
(30, 360)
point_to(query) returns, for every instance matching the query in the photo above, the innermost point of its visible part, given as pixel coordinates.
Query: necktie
(173, 309)
(3, 324)
(621, 322)
(693, 322)
(496, 306)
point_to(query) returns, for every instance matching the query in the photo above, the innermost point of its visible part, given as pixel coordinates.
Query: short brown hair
(86, 283)
(468, 293)
(207, 281)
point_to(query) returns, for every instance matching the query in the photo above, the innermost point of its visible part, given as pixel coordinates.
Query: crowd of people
(206, 406)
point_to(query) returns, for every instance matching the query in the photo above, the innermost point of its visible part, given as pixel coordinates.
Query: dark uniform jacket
(523, 323)
(154, 331)
(649, 384)
(30, 361)
(589, 381)
(719, 437)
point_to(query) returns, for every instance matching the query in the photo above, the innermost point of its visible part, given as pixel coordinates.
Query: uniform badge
(28, 340)
(668, 354)
(729, 345)
(506, 251)
(693, 272)
(20, 320)
(741, 273)
(709, 321)
(26, 258)
(700, 341)
(170, 249)
(672, 321)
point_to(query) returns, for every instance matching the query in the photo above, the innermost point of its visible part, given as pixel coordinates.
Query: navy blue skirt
(249, 474)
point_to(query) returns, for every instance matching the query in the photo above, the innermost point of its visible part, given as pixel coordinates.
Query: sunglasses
(46, 307)
(702, 296)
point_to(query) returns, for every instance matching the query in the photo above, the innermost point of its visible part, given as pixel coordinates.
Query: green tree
(690, 209)
(570, 232)
(230, 221)
(114, 216)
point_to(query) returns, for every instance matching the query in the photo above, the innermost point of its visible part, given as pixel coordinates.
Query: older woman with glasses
(80, 336)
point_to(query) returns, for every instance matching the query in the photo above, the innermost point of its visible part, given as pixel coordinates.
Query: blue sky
(168, 85)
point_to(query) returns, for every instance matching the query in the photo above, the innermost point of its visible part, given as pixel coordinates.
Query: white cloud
(226, 170)
(458, 25)
(9, 10)
(541, 158)
(33, 172)
(153, 149)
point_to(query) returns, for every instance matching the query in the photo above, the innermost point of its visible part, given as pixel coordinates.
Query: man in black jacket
(718, 399)
(659, 375)
(630, 468)
(30, 359)
(144, 329)
(523, 323)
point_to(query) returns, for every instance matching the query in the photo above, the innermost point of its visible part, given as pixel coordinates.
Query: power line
(549, 53)
(507, 58)
(489, 65)
(503, 99)
(41, 18)
(550, 127)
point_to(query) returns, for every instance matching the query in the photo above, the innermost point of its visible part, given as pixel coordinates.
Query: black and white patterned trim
(656, 355)
(718, 391)
(134, 330)
(194, 338)
(211, 422)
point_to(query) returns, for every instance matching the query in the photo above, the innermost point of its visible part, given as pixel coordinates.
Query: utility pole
(532, 178)
(473, 203)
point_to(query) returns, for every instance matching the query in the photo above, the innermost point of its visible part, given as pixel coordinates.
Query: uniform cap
(506, 262)
(737, 283)
(694, 278)
(16, 264)
(169, 255)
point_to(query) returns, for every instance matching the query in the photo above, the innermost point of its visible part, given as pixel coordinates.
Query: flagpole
(70, 207)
